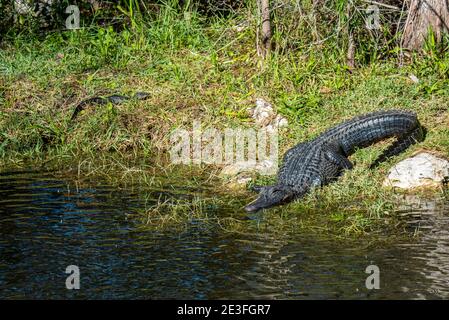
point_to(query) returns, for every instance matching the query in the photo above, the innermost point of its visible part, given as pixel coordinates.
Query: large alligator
(320, 161)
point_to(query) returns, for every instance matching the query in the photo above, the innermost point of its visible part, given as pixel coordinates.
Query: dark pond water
(47, 224)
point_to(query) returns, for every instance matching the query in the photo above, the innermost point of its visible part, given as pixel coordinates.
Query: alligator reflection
(47, 223)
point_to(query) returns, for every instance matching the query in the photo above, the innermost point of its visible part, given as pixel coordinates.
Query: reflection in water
(432, 251)
(47, 223)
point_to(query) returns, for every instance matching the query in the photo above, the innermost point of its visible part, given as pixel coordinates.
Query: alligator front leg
(338, 159)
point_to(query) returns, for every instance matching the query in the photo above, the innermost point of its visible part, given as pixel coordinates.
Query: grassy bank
(208, 69)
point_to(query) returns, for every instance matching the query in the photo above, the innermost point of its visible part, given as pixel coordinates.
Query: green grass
(209, 70)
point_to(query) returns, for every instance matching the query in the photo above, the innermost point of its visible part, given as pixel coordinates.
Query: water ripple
(48, 222)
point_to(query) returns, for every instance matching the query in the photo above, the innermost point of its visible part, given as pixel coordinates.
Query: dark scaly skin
(320, 161)
(114, 99)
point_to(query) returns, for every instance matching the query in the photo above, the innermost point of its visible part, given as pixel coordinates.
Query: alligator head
(271, 196)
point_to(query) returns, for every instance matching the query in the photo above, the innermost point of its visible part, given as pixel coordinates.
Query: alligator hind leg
(402, 143)
(338, 159)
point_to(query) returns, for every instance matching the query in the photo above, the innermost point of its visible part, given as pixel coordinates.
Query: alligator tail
(402, 143)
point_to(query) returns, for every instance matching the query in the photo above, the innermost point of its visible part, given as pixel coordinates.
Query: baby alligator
(320, 161)
(114, 99)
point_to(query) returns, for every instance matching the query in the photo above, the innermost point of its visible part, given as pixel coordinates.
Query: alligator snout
(270, 196)
(262, 202)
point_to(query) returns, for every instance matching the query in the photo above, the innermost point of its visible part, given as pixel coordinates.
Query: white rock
(280, 121)
(264, 115)
(421, 170)
(414, 78)
(263, 112)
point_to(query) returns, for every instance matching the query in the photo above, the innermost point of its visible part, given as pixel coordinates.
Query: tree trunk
(350, 56)
(264, 6)
(422, 16)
